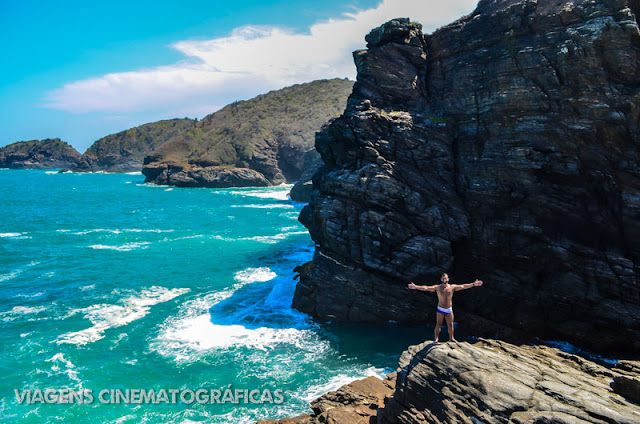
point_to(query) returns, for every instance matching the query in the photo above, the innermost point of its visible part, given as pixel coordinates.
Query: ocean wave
(127, 247)
(30, 296)
(51, 172)
(13, 274)
(20, 311)
(199, 334)
(334, 383)
(268, 206)
(61, 365)
(252, 275)
(277, 194)
(106, 316)
(192, 331)
(117, 231)
(14, 235)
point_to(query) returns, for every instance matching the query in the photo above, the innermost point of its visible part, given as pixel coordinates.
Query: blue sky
(80, 70)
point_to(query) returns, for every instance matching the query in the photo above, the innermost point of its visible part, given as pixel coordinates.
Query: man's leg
(436, 331)
(449, 318)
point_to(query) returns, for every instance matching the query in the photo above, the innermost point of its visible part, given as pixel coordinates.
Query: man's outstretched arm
(458, 287)
(422, 288)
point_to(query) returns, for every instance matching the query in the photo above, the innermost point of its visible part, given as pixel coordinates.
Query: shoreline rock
(488, 381)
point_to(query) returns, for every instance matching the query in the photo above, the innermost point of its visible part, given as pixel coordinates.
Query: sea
(111, 288)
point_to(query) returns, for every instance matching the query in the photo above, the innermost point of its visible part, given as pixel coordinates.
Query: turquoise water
(107, 283)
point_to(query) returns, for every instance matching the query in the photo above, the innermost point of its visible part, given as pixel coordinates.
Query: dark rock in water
(495, 382)
(505, 146)
(259, 142)
(490, 382)
(125, 151)
(38, 154)
(212, 177)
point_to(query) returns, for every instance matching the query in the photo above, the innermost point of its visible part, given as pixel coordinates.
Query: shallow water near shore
(110, 283)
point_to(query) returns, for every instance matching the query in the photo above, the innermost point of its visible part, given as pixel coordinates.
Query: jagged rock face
(38, 154)
(494, 382)
(504, 146)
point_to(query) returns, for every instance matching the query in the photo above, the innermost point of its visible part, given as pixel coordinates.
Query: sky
(80, 70)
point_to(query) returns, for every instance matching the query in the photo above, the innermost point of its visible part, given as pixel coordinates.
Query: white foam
(272, 239)
(122, 248)
(185, 339)
(337, 381)
(106, 316)
(51, 172)
(13, 274)
(118, 231)
(10, 275)
(278, 194)
(268, 206)
(11, 235)
(252, 275)
(89, 287)
(30, 296)
(62, 365)
(168, 189)
(20, 311)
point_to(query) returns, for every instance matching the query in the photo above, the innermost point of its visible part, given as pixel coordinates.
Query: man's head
(445, 278)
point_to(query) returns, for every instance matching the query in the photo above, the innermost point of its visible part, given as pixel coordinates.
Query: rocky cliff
(258, 142)
(489, 382)
(38, 154)
(125, 151)
(504, 146)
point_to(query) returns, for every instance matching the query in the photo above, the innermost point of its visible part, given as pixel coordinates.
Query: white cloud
(250, 61)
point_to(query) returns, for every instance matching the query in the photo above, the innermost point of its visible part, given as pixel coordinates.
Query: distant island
(49, 153)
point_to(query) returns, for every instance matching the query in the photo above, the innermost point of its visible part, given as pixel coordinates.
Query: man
(445, 297)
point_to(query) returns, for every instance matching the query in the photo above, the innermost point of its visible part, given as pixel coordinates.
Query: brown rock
(495, 382)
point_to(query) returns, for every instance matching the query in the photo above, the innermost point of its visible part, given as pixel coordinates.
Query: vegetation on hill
(125, 151)
(39, 154)
(268, 134)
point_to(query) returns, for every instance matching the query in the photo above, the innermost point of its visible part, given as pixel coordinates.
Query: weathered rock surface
(489, 382)
(125, 151)
(353, 403)
(495, 382)
(259, 142)
(38, 154)
(505, 146)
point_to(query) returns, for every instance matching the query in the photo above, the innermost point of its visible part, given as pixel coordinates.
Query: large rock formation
(125, 151)
(489, 382)
(494, 382)
(259, 142)
(504, 146)
(38, 154)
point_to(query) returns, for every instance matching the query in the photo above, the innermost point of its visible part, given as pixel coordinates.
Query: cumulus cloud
(250, 61)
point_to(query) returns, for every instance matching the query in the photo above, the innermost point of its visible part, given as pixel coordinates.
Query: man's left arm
(459, 287)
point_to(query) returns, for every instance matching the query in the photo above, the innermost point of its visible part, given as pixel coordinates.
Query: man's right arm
(422, 288)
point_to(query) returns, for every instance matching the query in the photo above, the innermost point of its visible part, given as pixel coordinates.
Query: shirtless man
(445, 297)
